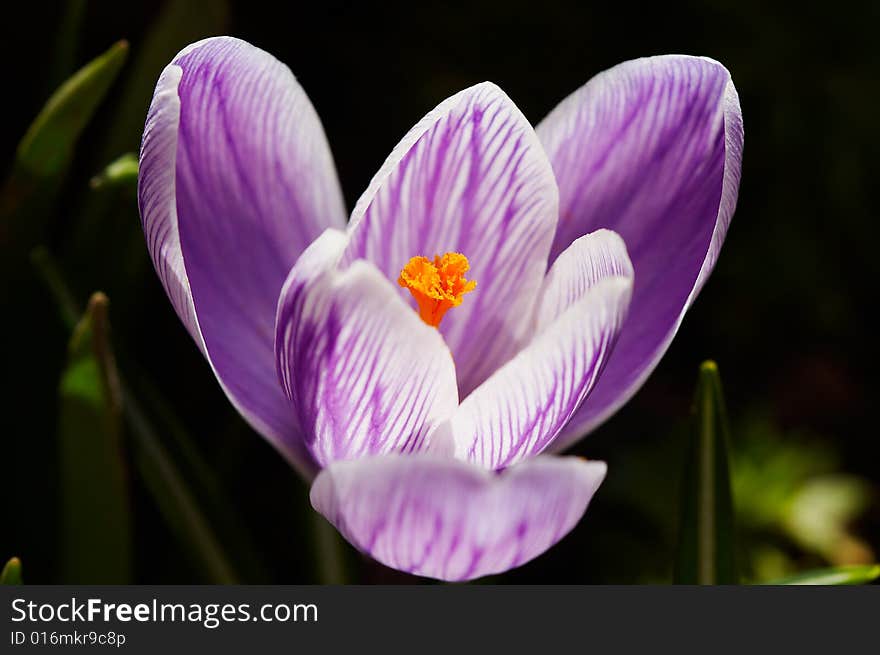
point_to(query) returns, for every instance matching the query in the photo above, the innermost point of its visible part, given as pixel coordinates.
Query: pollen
(437, 286)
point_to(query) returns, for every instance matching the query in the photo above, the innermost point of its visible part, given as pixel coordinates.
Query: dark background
(784, 315)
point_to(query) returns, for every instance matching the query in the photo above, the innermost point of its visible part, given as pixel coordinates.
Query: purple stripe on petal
(517, 412)
(651, 149)
(447, 519)
(364, 374)
(472, 178)
(236, 179)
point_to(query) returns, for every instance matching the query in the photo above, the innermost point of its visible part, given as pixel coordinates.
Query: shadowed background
(784, 314)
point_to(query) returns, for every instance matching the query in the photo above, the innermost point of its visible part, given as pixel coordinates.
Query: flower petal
(364, 374)
(236, 178)
(472, 178)
(518, 411)
(157, 202)
(589, 260)
(447, 519)
(651, 149)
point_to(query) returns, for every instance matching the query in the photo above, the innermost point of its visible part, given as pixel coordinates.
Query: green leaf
(706, 549)
(842, 575)
(47, 147)
(96, 515)
(120, 172)
(46, 151)
(11, 572)
(173, 495)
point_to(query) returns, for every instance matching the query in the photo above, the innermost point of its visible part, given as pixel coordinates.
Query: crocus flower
(478, 311)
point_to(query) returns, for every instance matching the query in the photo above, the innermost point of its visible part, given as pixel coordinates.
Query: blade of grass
(706, 549)
(11, 572)
(842, 575)
(96, 525)
(47, 146)
(46, 150)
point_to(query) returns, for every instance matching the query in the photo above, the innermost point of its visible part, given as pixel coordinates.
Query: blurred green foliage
(797, 509)
(11, 573)
(96, 533)
(121, 171)
(839, 576)
(210, 501)
(94, 400)
(45, 154)
(47, 147)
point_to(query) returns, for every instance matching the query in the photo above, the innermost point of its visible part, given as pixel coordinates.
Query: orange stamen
(437, 287)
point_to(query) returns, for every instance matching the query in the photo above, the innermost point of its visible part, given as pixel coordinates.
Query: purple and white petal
(446, 519)
(157, 201)
(236, 178)
(472, 178)
(651, 149)
(364, 374)
(517, 412)
(590, 259)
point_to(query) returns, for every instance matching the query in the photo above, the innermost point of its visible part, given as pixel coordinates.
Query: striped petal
(447, 519)
(236, 178)
(472, 178)
(363, 373)
(651, 149)
(589, 260)
(518, 411)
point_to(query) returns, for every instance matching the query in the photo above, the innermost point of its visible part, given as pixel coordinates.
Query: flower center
(437, 286)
